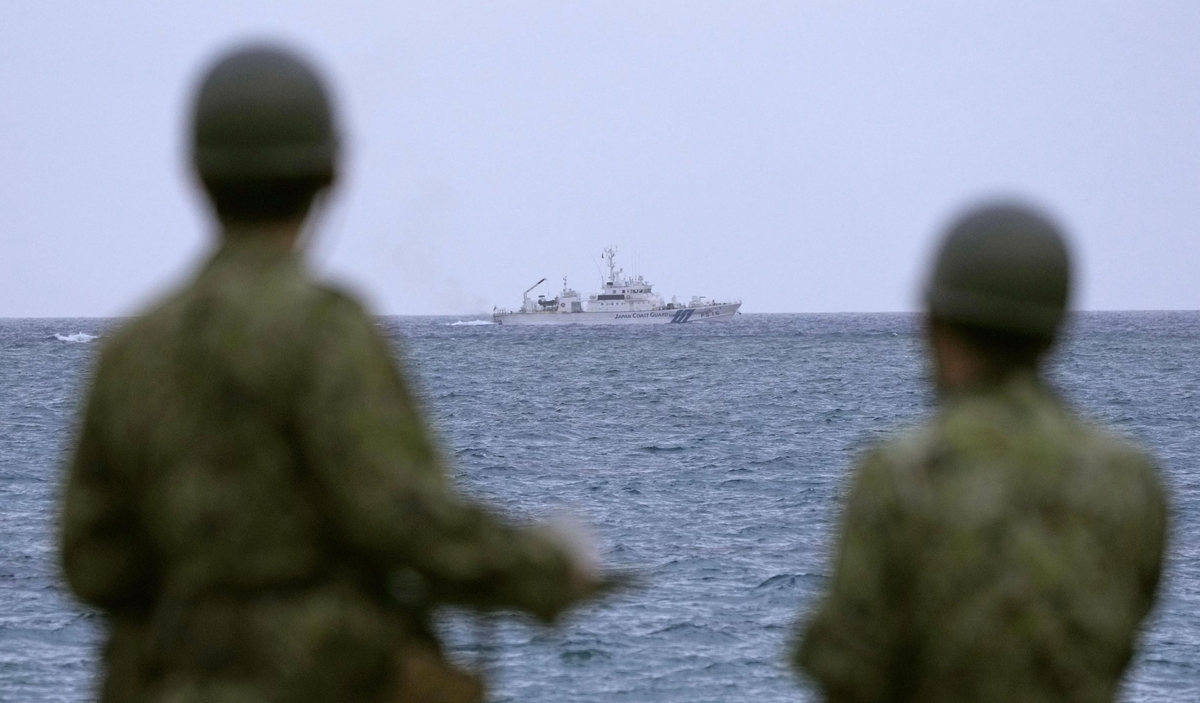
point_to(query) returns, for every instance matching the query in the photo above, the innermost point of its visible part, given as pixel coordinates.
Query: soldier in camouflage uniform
(1006, 551)
(254, 502)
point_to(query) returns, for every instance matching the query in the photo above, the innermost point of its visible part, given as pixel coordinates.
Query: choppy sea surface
(709, 458)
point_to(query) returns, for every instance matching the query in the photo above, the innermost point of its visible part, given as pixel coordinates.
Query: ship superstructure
(621, 300)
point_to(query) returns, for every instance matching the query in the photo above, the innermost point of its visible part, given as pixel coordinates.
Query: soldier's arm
(105, 557)
(854, 644)
(384, 485)
(1155, 517)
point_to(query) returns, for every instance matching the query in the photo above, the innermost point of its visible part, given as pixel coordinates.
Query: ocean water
(709, 458)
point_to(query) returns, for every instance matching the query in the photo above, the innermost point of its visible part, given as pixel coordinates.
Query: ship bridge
(621, 293)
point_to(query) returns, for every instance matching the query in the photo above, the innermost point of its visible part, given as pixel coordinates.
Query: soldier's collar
(1016, 381)
(258, 242)
(280, 231)
(253, 253)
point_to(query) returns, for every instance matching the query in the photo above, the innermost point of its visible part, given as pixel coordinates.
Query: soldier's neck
(959, 367)
(281, 233)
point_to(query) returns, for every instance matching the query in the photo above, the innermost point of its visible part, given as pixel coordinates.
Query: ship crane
(528, 305)
(535, 285)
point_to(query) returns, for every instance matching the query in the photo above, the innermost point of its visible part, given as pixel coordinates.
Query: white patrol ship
(623, 301)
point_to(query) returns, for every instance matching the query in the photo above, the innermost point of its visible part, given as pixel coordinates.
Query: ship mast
(610, 255)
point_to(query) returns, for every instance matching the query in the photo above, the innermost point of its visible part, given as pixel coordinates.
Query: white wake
(77, 338)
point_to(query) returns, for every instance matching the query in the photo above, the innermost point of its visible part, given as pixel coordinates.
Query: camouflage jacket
(251, 475)
(1005, 552)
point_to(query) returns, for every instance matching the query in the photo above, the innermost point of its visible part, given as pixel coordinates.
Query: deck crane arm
(535, 285)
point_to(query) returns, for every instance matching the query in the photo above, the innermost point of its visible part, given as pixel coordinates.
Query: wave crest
(469, 323)
(77, 338)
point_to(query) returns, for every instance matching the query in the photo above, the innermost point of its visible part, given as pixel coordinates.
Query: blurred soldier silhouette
(255, 503)
(1007, 550)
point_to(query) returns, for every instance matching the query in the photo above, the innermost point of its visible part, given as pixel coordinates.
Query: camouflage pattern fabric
(1005, 552)
(253, 479)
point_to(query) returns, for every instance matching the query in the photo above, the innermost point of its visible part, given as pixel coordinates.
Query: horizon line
(488, 314)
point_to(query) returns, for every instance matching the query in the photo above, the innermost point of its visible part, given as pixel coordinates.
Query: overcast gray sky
(800, 155)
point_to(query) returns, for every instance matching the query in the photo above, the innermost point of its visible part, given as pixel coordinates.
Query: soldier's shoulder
(276, 315)
(342, 321)
(1113, 444)
(906, 447)
(137, 330)
(336, 307)
(897, 461)
(338, 297)
(1121, 459)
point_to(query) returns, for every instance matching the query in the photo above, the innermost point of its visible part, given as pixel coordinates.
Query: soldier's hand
(576, 540)
(582, 586)
(592, 586)
(585, 580)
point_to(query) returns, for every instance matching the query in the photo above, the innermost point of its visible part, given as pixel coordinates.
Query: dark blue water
(710, 458)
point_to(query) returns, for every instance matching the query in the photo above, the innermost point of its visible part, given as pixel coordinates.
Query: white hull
(722, 312)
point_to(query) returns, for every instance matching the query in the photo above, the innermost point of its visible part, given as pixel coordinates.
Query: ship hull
(723, 312)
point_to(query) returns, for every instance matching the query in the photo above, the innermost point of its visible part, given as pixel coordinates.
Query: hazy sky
(800, 155)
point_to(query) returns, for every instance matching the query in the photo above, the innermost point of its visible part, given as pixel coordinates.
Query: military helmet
(262, 113)
(1004, 267)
